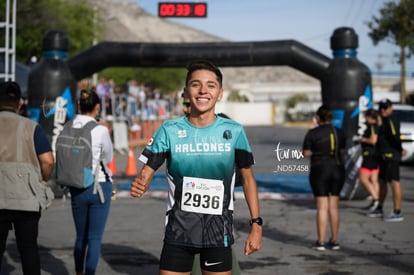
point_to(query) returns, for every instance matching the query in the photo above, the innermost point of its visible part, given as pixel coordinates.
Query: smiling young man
(202, 151)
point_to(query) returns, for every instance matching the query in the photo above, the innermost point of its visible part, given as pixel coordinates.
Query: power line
(357, 13)
(348, 14)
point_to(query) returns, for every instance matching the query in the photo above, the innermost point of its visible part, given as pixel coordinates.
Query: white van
(405, 114)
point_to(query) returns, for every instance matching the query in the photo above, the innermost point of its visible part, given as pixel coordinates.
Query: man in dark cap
(26, 151)
(390, 152)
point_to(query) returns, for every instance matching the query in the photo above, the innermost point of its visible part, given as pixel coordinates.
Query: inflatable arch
(345, 81)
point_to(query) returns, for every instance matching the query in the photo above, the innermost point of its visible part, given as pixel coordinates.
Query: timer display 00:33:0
(182, 9)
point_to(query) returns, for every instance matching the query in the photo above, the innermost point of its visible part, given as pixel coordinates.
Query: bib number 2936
(202, 196)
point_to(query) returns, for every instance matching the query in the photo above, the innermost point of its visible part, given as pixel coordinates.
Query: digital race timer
(182, 9)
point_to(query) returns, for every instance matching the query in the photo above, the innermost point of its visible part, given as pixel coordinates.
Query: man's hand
(254, 240)
(139, 185)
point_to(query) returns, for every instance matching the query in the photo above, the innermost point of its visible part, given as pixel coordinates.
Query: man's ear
(20, 104)
(220, 95)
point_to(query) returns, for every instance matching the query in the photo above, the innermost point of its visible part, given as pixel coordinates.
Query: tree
(35, 18)
(295, 99)
(396, 25)
(82, 24)
(235, 96)
(166, 79)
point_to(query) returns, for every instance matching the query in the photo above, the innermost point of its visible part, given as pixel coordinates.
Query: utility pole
(94, 42)
(403, 18)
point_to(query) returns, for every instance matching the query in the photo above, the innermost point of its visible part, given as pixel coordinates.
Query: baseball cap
(385, 103)
(10, 92)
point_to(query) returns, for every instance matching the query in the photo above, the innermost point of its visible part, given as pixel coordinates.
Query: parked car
(405, 114)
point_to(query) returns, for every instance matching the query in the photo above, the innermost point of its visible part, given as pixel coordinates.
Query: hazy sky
(310, 22)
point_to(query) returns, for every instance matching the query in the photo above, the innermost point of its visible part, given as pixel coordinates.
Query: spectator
(101, 88)
(390, 151)
(325, 144)
(368, 172)
(25, 150)
(89, 213)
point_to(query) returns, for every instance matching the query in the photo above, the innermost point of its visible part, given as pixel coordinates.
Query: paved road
(132, 239)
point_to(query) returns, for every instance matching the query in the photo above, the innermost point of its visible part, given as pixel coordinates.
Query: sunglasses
(383, 107)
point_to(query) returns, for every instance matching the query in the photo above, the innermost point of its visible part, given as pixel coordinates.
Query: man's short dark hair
(10, 94)
(204, 65)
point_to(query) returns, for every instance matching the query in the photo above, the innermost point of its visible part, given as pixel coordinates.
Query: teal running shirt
(201, 166)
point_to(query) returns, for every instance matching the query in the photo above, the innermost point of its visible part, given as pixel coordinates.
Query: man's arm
(46, 161)
(393, 134)
(307, 153)
(254, 240)
(44, 153)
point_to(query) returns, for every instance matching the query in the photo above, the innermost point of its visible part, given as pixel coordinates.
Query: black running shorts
(178, 258)
(389, 170)
(370, 162)
(326, 179)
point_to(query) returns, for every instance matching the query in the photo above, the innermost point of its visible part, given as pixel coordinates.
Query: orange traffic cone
(112, 166)
(131, 169)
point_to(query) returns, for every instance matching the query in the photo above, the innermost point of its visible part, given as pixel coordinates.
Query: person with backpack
(26, 163)
(83, 149)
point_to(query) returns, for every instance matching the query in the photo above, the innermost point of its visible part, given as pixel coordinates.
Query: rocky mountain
(127, 21)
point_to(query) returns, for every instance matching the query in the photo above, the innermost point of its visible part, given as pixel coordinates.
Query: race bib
(202, 196)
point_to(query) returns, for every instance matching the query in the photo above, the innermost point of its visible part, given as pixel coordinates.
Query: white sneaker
(394, 217)
(318, 246)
